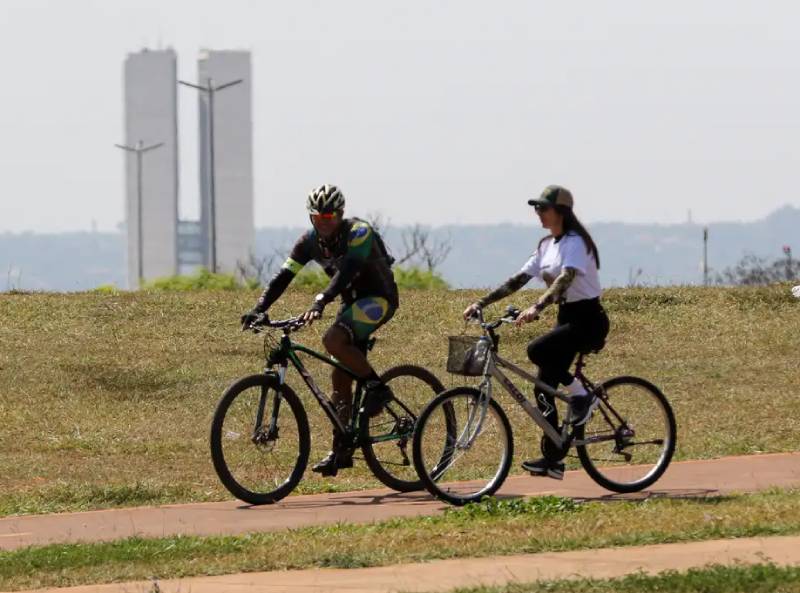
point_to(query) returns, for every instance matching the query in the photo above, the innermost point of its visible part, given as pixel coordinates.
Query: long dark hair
(571, 223)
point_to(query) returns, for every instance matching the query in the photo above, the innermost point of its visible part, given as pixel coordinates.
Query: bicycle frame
(494, 364)
(287, 353)
(492, 370)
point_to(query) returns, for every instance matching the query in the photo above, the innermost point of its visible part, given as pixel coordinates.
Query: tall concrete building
(233, 155)
(151, 116)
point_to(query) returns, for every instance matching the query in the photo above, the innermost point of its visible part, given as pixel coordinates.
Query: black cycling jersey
(355, 259)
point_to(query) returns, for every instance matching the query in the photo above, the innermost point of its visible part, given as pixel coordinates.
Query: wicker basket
(466, 355)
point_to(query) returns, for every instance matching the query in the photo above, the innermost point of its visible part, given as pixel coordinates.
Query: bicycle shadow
(350, 499)
(710, 495)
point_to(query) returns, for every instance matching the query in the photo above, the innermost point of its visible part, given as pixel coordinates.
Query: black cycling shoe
(376, 396)
(330, 465)
(544, 467)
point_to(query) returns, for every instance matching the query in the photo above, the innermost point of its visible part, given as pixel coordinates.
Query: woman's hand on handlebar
(471, 311)
(529, 314)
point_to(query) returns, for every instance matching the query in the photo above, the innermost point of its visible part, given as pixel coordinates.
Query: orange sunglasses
(325, 216)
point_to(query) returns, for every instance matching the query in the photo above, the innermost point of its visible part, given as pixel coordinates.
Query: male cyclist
(353, 255)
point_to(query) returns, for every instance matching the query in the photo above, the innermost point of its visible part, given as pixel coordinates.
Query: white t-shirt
(570, 251)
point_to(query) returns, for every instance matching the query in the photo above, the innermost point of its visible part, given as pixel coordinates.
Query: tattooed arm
(510, 286)
(556, 291)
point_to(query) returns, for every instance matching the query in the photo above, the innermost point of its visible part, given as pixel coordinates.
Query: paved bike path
(445, 575)
(682, 479)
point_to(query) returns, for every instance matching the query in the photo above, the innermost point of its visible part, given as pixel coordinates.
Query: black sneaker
(376, 395)
(581, 408)
(330, 465)
(543, 467)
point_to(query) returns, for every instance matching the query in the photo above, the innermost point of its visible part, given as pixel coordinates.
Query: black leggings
(582, 326)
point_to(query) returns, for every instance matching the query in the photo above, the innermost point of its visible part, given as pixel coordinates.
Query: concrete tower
(151, 116)
(233, 155)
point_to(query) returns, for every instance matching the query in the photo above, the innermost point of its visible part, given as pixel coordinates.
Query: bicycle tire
(404, 420)
(443, 492)
(600, 474)
(226, 476)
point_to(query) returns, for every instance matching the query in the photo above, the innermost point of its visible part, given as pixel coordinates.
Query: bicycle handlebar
(263, 322)
(510, 316)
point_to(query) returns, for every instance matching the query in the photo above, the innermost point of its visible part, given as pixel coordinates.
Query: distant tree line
(753, 270)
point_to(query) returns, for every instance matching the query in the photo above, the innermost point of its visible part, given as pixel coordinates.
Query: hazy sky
(431, 111)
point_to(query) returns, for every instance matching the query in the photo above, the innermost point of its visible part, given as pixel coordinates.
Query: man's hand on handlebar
(251, 317)
(315, 311)
(309, 316)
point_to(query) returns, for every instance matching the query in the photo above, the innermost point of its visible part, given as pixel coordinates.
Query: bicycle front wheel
(463, 446)
(386, 438)
(629, 441)
(260, 439)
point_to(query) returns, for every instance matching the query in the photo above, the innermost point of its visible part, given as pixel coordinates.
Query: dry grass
(107, 399)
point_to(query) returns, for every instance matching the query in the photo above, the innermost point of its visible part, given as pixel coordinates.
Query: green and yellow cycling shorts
(361, 318)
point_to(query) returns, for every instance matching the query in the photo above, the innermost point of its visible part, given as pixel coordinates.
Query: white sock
(575, 388)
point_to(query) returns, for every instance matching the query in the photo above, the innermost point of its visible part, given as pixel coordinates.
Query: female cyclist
(567, 261)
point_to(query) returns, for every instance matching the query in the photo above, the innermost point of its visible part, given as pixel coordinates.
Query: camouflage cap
(553, 195)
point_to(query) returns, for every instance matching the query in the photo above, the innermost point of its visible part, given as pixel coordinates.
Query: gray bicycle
(625, 447)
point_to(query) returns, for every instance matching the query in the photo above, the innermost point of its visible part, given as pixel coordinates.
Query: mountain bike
(625, 447)
(260, 436)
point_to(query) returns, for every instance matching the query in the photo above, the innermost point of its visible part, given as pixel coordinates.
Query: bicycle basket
(466, 355)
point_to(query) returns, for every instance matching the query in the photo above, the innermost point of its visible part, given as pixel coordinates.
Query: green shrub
(106, 289)
(418, 278)
(202, 279)
(312, 278)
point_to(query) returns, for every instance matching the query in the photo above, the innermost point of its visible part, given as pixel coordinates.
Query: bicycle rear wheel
(477, 454)
(630, 439)
(386, 438)
(260, 439)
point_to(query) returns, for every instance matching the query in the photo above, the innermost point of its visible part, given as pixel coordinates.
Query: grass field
(490, 528)
(107, 398)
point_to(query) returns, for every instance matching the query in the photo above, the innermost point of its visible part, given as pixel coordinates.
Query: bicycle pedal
(345, 464)
(326, 472)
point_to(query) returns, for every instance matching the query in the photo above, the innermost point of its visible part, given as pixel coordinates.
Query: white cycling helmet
(324, 199)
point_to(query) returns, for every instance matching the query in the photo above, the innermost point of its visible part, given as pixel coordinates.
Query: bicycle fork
(270, 435)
